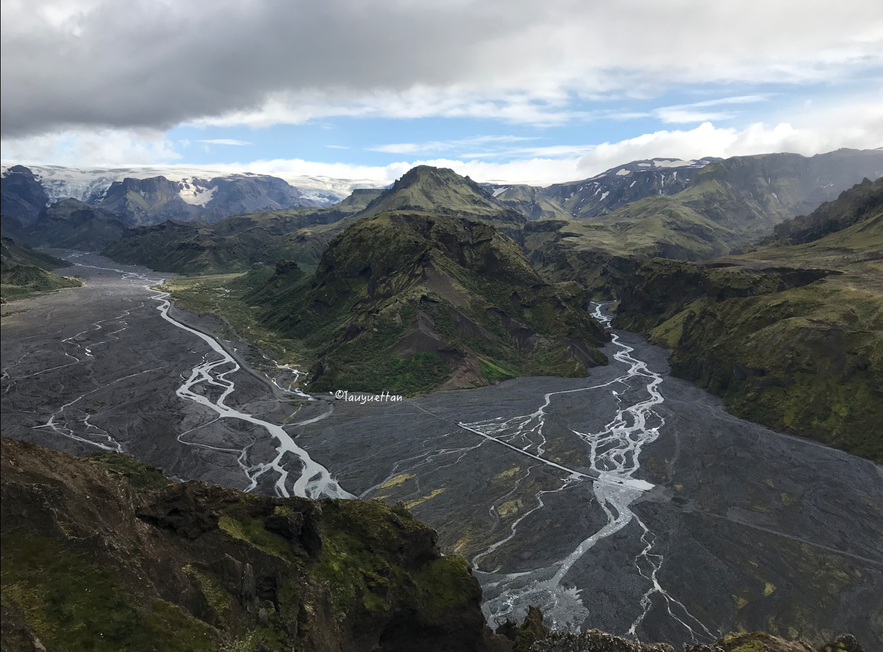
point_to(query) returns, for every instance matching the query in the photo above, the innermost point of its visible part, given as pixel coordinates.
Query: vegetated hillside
(22, 197)
(751, 194)
(601, 252)
(852, 206)
(441, 191)
(106, 554)
(790, 336)
(71, 224)
(239, 242)
(727, 205)
(24, 272)
(408, 302)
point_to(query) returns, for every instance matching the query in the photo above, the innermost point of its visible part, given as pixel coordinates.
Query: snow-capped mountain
(606, 192)
(210, 194)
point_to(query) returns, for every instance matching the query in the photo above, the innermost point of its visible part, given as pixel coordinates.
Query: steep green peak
(438, 190)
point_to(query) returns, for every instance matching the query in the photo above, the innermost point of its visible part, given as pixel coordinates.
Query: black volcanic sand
(744, 527)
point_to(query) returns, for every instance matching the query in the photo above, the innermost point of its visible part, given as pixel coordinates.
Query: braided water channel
(614, 457)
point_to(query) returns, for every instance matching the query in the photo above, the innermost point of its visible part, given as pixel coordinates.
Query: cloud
(808, 130)
(698, 111)
(155, 64)
(823, 130)
(488, 142)
(224, 141)
(106, 147)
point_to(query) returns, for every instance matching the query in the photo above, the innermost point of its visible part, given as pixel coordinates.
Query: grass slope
(24, 272)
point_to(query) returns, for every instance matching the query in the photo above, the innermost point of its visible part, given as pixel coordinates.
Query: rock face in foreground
(106, 554)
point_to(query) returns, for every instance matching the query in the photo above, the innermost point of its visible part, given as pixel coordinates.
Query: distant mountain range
(582, 231)
(604, 192)
(165, 193)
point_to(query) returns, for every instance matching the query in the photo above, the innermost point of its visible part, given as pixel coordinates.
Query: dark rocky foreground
(789, 530)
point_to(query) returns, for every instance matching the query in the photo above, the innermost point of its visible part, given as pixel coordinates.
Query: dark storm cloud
(147, 63)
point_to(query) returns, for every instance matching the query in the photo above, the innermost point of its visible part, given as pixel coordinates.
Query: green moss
(139, 474)
(211, 588)
(354, 573)
(494, 373)
(74, 605)
(253, 531)
(752, 646)
(444, 584)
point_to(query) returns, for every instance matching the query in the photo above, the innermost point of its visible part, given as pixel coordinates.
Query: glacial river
(628, 500)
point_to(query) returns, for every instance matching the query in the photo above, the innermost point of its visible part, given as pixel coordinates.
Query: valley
(606, 499)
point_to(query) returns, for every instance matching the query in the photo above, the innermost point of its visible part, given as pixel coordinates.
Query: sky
(519, 91)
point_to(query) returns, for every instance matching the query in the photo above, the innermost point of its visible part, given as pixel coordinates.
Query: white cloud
(698, 111)
(490, 142)
(224, 141)
(106, 147)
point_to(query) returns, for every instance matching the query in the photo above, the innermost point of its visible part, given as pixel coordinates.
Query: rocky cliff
(104, 553)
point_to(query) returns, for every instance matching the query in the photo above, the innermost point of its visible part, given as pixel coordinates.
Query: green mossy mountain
(104, 554)
(790, 336)
(24, 272)
(409, 302)
(442, 191)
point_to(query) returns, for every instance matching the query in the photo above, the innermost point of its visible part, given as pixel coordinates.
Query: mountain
(618, 186)
(239, 242)
(791, 336)
(751, 194)
(851, 207)
(24, 272)
(727, 205)
(157, 199)
(90, 184)
(22, 197)
(412, 301)
(301, 235)
(71, 224)
(530, 201)
(443, 191)
(105, 554)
